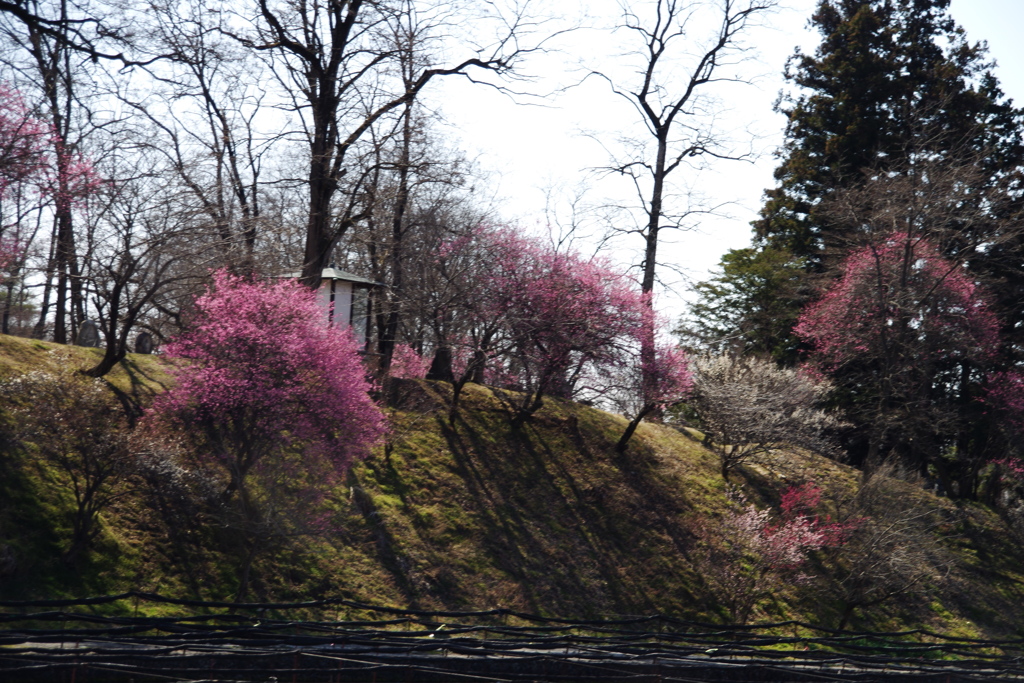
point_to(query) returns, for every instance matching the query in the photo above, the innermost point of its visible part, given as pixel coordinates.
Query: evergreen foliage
(896, 123)
(890, 81)
(751, 304)
(902, 164)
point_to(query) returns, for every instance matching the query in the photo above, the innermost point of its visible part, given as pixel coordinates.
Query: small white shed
(345, 299)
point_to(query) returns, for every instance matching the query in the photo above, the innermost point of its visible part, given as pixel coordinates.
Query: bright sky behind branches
(530, 149)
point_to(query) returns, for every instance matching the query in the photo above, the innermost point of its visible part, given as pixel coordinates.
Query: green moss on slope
(547, 518)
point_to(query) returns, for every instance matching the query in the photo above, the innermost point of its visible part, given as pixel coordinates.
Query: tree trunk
(531, 405)
(7, 306)
(113, 355)
(848, 610)
(244, 572)
(387, 345)
(441, 365)
(60, 334)
(647, 334)
(44, 307)
(457, 387)
(620, 447)
(319, 236)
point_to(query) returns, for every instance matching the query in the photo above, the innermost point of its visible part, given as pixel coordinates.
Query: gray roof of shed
(335, 274)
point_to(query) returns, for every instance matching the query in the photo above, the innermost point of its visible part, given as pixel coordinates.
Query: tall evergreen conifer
(893, 82)
(892, 99)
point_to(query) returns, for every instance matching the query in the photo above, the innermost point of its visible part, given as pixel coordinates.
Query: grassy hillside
(546, 519)
(135, 380)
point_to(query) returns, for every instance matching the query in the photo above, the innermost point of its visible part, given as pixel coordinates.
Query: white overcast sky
(527, 149)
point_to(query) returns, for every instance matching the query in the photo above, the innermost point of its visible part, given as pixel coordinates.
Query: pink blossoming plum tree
(462, 308)
(10, 252)
(744, 554)
(1005, 393)
(266, 377)
(563, 314)
(407, 364)
(23, 143)
(274, 402)
(517, 313)
(39, 172)
(906, 336)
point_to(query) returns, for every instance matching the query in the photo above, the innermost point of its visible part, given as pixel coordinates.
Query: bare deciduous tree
(337, 61)
(206, 122)
(41, 52)
(78, 430)
(140, 246)
(670, 102)
(893, 549)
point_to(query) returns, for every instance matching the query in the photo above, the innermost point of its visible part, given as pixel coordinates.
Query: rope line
(49, 639)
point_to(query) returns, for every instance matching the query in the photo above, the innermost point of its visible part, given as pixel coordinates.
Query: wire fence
(103, 639)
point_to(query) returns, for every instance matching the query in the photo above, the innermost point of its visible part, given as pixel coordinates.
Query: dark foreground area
(104, 639)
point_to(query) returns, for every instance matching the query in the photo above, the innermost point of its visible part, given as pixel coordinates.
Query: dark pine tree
(892, 81)
(893, 92)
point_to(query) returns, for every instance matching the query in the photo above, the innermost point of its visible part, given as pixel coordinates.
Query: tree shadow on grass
(34, 534)
(986, 581)
(574, 540)
(28, 533)
(384, 541)
(140, 393)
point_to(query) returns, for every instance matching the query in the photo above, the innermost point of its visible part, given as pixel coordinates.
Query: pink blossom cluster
(652, 376)
(561, 311)
(407, 364)
(71, 180)
(801, 530)
(800, 500)
(551, 322)
(896, 297)
(1012, 467)
(1005, 392)
(64, 176)
(670, 379)
(466, 307)
(23, 141)
(785, 543)
(11, 250)
(458, 246)
(266, 376)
